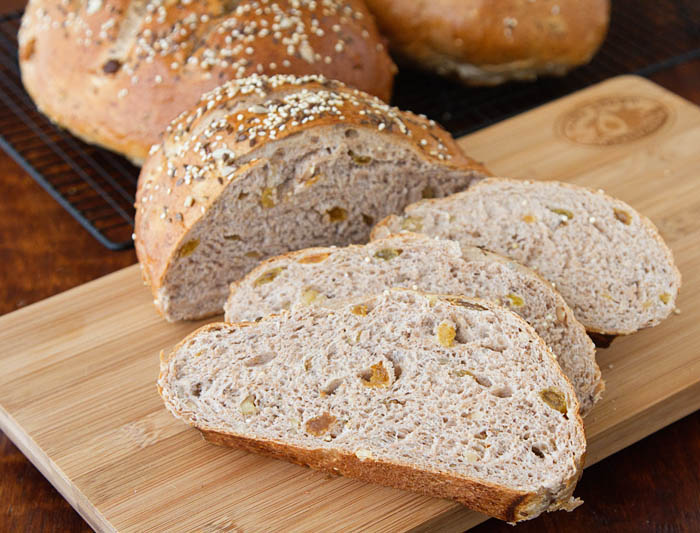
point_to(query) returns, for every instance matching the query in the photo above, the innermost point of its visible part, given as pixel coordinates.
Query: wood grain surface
(45, 250)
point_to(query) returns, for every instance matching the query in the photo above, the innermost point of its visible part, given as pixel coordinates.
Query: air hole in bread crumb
(537, 452)
(197, 390)
(397, 367)
(483, 381)
(502, 392)
(331, 387)
(351, 134)
(259, 360)
(368, 219)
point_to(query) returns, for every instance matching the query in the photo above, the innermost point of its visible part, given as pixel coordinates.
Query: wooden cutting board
(78, 371)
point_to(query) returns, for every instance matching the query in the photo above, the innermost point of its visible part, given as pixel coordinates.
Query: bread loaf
(263, 166)
(116, 72)
(446, 396)
(482, 42)
(608, 262)
(325, 276)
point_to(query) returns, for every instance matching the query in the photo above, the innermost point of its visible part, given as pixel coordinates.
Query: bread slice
(326, 275)
(608, 262)
(267, 165)
(442, 395)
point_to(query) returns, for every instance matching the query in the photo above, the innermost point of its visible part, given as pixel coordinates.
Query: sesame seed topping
(208, 142)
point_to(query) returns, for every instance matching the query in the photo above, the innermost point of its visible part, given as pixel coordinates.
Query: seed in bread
(608, 262)
(488, 420)
(263, 166)
(116, 72)
(430, 265)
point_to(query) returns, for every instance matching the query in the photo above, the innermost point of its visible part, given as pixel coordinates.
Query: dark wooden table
(653, 485)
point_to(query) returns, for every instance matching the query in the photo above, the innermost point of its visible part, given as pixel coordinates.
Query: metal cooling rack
(97, 187)
(94, 185)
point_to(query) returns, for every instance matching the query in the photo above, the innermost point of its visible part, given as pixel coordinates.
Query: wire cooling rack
(97, 187)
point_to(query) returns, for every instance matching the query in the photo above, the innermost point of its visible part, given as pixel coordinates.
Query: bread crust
(497, 501)
(158, 238)
(602, 335)
(490, 499)
(482, 42)
(128, 67)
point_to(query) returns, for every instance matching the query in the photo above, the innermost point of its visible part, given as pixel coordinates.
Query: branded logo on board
(613, 120)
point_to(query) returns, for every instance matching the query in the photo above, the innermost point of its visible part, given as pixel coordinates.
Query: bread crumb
(363, 455)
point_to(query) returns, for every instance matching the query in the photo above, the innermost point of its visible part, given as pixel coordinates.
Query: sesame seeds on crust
(210, 143)
(205, 36)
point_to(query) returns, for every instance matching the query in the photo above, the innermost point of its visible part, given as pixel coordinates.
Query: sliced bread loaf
(445, 396)
(323, 276)
(608, 262)
(263, 166)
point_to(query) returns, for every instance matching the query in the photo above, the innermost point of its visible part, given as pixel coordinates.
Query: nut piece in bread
(608, 262)
(326, 276)
(263, 166)
(482, 42)
(489, 421)
(116, 72)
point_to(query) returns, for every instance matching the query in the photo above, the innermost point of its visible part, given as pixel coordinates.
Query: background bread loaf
(486, 42)
(116, 72)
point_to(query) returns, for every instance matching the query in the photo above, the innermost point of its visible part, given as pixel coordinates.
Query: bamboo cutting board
(78, 371)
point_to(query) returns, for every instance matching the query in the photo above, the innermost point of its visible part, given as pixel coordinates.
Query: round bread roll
(482, 42)
(116, 72)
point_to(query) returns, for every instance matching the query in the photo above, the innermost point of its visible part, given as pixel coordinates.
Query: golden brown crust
(184, 175)
(115, 72)
(490, 499)
(486, 42)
